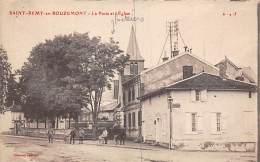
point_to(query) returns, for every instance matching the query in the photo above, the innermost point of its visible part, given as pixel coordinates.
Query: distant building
(12, 118)
(232, 71)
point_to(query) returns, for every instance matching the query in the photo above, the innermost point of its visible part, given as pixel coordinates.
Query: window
(129, 120)
(197, 95)
(124, 100)
(139, 118)
(133, 68)
(218, 117)
(193, 122)
(129, 95)
(124, 121)
(133, 118)
(133, 93)
(249, 94)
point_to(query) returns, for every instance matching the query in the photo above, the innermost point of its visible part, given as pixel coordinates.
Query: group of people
(80, 133)
(73, 134)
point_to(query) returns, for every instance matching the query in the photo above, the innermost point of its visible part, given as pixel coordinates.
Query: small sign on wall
(176, 105)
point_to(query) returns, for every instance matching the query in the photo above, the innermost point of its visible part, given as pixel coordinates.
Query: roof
(226, 60)
(204, 81)
(177, 57)
(246, 71)
(249, 74)
(132, 49)
(109, 107)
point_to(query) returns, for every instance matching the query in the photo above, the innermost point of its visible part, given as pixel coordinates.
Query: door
(157, 130)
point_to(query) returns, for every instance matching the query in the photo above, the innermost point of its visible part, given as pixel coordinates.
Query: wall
(6, 121)
(235, 124)
(171, 71)
(133, 131)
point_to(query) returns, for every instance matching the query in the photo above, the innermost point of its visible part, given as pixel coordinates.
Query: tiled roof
(204, 81)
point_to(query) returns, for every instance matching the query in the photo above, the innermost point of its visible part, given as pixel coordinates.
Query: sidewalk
(111, 143)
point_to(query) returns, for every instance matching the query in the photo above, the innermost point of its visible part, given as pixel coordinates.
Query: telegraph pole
(170, 99)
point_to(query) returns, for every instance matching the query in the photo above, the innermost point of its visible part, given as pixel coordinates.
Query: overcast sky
(204, 27)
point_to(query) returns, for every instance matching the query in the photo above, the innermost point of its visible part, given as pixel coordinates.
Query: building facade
(207, 112)
(132, 89)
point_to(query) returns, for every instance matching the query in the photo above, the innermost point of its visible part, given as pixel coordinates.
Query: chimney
(175, 53)
(187, 71)
(223, 70)
(165, 58)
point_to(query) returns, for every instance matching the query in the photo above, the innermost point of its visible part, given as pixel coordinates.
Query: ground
(25, 149)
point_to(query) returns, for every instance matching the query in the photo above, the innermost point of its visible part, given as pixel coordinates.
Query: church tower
(136, 60)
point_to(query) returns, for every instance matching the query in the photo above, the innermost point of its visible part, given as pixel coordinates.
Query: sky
(213, 29)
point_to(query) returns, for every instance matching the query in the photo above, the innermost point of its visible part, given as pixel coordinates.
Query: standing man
(50, 134)
(104, 135)
(81, 135)
(72, 135)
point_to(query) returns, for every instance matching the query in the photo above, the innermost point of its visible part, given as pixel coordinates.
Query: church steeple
(136, 60)
(133, 49)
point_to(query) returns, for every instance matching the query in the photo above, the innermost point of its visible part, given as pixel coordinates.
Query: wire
(182, 39)
(163, 48)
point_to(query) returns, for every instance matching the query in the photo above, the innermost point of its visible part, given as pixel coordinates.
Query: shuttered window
(216, 122)
(133, 118)
(129, 120)
(218, 118)
(139, 118)
(125, 121)
(133, 93)
(129, 95)
(193, 122)
(197, 95)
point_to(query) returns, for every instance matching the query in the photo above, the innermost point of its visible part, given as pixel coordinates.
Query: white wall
(234, 107)
(5, 121)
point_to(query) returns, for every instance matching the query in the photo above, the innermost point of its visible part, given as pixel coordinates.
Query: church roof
(133, 49)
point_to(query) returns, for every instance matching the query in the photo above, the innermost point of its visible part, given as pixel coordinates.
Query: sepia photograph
(129, 81)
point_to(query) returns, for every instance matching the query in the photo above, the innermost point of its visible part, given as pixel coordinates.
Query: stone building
(192, 105)
(131, 88)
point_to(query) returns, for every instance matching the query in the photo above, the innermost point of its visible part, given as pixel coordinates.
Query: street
(25, 149)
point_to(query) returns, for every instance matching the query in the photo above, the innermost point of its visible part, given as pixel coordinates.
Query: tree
(5, 71)
(70, 72)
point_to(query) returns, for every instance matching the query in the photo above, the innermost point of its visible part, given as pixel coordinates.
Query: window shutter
(188, 122)
(204, 95)
(193, 95)
(200, 123)
(213, 122)
(224, 123)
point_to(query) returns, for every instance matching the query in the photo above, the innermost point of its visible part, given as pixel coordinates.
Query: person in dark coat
(50, 134)
(122, 136)
(72, 135)
(81, 135)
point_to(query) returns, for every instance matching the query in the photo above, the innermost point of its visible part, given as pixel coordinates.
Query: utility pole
(173, 29)
(170, 99)
(170, 32)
